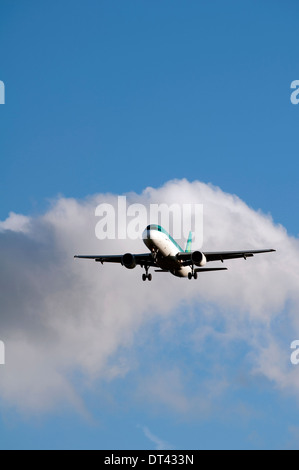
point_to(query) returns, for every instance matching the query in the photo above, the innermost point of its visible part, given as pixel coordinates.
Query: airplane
(167, 255)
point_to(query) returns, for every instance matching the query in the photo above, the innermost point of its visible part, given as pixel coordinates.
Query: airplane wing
(222, 255)
(145, 259)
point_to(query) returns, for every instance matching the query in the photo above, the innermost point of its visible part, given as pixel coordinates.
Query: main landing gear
(193, 274)
(147, 275)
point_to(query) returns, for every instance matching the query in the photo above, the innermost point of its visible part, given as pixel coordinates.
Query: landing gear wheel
(147, 275)
(193, 274)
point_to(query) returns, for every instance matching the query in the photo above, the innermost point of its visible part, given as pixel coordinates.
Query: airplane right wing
(145, 259)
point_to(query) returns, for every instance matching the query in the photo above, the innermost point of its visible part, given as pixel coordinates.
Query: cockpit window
(154, 227)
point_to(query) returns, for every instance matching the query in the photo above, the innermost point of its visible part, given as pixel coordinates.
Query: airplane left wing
(224, 255)
(221, 255)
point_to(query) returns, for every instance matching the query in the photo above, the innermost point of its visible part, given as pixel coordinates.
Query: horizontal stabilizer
(203, 270)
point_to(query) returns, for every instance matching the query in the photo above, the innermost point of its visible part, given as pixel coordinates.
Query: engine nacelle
(198, 258)
(128, 260)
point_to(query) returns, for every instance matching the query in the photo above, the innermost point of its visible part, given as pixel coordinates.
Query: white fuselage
(166, 251)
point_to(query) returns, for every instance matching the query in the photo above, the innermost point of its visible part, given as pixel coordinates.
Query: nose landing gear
(146, 275)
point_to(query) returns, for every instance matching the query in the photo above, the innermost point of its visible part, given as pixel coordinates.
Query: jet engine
(198, 258)
(128, 260)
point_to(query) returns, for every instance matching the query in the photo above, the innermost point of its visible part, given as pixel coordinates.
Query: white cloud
(15, 223)
(159, 443)
(60, 317)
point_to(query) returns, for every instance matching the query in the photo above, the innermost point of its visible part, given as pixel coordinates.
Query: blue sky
(114, 96)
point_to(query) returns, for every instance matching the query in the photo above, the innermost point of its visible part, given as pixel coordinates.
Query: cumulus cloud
(15, 223)
(62, 319)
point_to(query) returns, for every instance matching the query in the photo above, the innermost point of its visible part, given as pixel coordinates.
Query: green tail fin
(189, 243)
